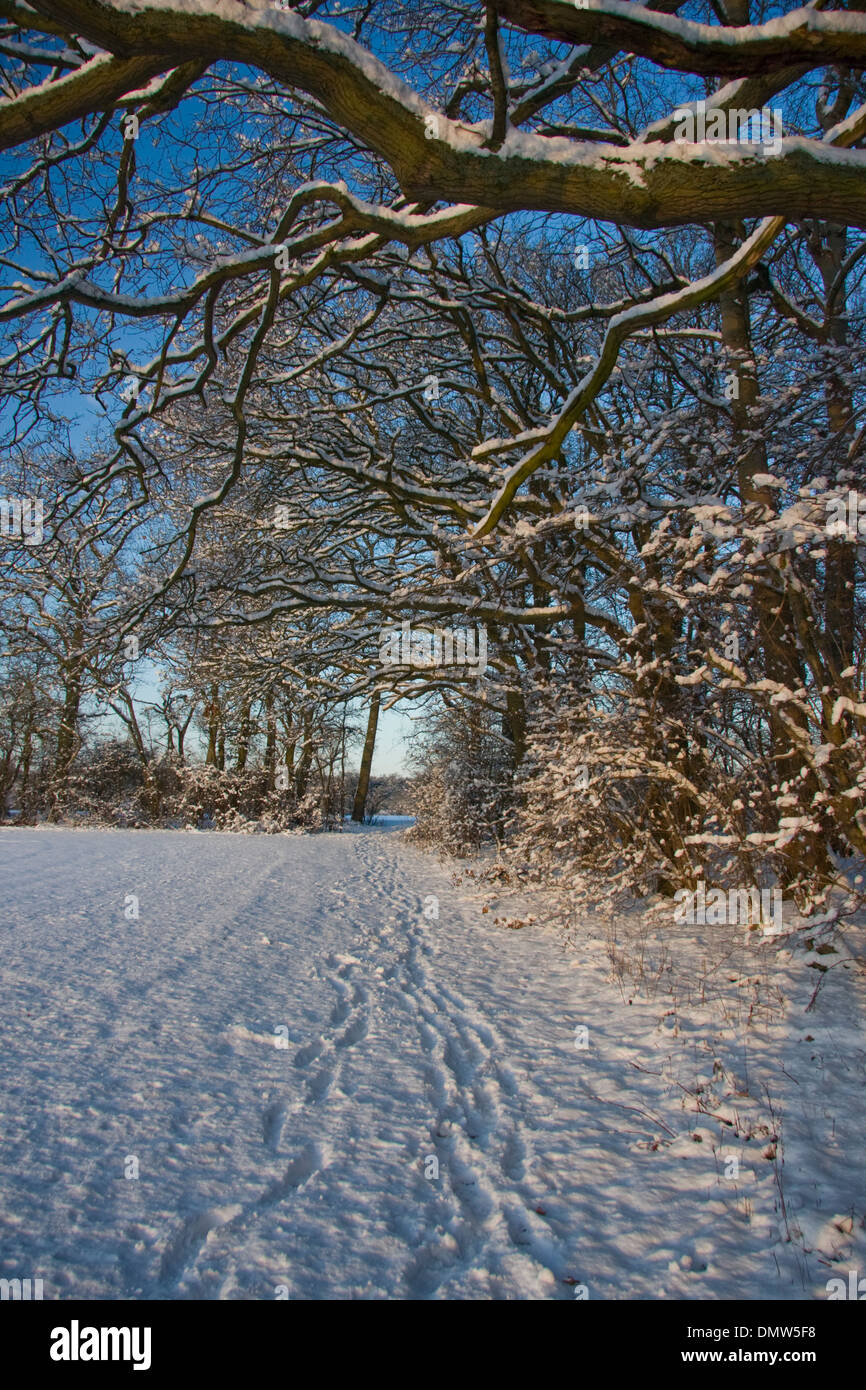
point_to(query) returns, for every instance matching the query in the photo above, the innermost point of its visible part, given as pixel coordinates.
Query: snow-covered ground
(284, 1047)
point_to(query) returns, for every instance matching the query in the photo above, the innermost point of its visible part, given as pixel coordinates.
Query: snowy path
(281, 1044)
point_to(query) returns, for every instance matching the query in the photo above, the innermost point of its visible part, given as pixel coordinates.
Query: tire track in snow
(183, 1250)
(475, 1133)
(348, 1025)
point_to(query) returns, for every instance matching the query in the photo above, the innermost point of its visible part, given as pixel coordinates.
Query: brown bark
(775, 624)
(270, 739)
(72, 673)
(638, 185)
(212, 714)
(244, 739)
(839, 571)
(363, 788)
(306, 761)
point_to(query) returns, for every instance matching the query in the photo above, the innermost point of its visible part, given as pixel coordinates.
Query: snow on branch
(807, 35)
(435, 158)
(620, 328)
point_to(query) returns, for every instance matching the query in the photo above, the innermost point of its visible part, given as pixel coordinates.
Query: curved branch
(97, 86)
(434, 158)
(808, 35)
(620, 328)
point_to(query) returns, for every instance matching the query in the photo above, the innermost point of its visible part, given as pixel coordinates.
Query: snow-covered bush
(460, 793)
(110, 785)
(618, 800)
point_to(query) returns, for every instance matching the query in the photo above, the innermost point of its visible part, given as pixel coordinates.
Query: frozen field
(284, 1049)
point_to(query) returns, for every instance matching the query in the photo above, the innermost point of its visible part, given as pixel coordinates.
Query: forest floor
(282, 1079)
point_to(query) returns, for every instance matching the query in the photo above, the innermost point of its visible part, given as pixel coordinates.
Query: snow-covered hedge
(109, 786)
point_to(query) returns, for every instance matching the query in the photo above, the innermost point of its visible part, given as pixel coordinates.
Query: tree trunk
(271, 740)
(363, 788)
(774, 621)
(840, 564)
(244, 739)
(306, 757)
(213, 725)
(73, 671)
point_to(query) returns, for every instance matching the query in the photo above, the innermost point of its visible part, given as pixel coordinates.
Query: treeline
(608, 414)
(109, 783)
(80, 742)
